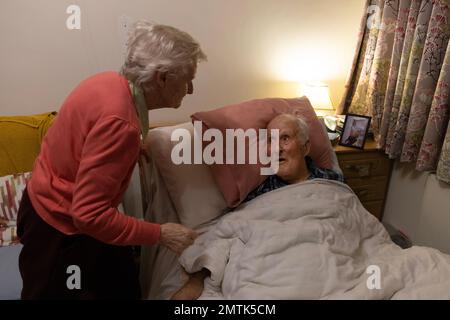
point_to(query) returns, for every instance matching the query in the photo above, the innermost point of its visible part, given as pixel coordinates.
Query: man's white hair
(302, 127)
(303, 130)
(153, 47)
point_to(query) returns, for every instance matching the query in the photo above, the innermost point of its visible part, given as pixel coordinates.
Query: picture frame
(354, 133)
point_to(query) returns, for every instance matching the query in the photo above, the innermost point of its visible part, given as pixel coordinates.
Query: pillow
(237, 181)
(195, 195)
(11, 189)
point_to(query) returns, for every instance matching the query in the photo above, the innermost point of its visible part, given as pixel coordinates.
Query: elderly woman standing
(76, 242)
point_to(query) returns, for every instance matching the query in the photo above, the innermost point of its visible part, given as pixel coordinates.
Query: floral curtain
(401, 78)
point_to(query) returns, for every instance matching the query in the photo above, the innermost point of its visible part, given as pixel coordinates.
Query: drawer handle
(362, 169)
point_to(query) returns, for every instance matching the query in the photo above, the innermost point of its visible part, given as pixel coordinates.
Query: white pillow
(192, 188)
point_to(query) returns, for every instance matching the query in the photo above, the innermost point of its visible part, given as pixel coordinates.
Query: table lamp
(319, 96)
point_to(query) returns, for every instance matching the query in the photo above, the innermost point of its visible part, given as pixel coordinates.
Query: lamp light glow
(318, 94)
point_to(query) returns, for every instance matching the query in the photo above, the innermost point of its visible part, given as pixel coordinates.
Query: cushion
(11, 189)
(195, 195)
(236, 181)
(8, 235)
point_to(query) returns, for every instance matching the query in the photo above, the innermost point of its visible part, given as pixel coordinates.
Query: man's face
(292, 152)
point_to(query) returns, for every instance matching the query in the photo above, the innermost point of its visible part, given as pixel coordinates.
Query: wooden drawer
(364, 165)
(369, 189)
(375, 208)
(367, 172)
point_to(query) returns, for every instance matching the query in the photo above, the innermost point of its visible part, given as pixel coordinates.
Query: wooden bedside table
(368, 173)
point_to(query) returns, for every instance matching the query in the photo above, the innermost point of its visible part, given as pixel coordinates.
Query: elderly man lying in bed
(294, 167)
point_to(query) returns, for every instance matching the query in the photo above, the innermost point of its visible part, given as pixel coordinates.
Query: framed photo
(355, 130)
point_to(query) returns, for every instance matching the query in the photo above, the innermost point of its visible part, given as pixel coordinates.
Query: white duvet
(312, 240)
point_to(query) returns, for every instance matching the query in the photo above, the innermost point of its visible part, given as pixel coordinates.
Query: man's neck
(303, 174)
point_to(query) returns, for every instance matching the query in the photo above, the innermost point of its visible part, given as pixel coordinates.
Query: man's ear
(161, 79)
(307, 147)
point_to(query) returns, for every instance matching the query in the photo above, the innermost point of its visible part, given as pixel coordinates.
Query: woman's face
(177, 88)
(167, 90)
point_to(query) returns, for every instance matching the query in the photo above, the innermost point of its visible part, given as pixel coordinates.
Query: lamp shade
(318, 95)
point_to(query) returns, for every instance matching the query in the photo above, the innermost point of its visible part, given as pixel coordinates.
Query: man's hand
(193, 288)
(176, 237)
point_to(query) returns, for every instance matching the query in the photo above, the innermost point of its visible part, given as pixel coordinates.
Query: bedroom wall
(418, 204)
(256, 48)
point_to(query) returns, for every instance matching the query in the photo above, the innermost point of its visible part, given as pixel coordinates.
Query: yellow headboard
(20, 141)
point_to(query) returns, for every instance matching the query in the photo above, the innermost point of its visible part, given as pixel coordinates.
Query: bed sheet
(312, 240)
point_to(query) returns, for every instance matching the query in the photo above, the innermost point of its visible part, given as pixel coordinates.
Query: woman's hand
(176, 237)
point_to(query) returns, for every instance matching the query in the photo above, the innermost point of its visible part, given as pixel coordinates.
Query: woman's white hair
(154, 47)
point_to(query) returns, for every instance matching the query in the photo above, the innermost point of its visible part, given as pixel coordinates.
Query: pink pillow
(237, 181)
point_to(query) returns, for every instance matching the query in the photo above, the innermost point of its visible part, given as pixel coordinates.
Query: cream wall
(419, 205)
(256, 48)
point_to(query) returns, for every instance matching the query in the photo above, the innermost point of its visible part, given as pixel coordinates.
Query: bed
(329, 247)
